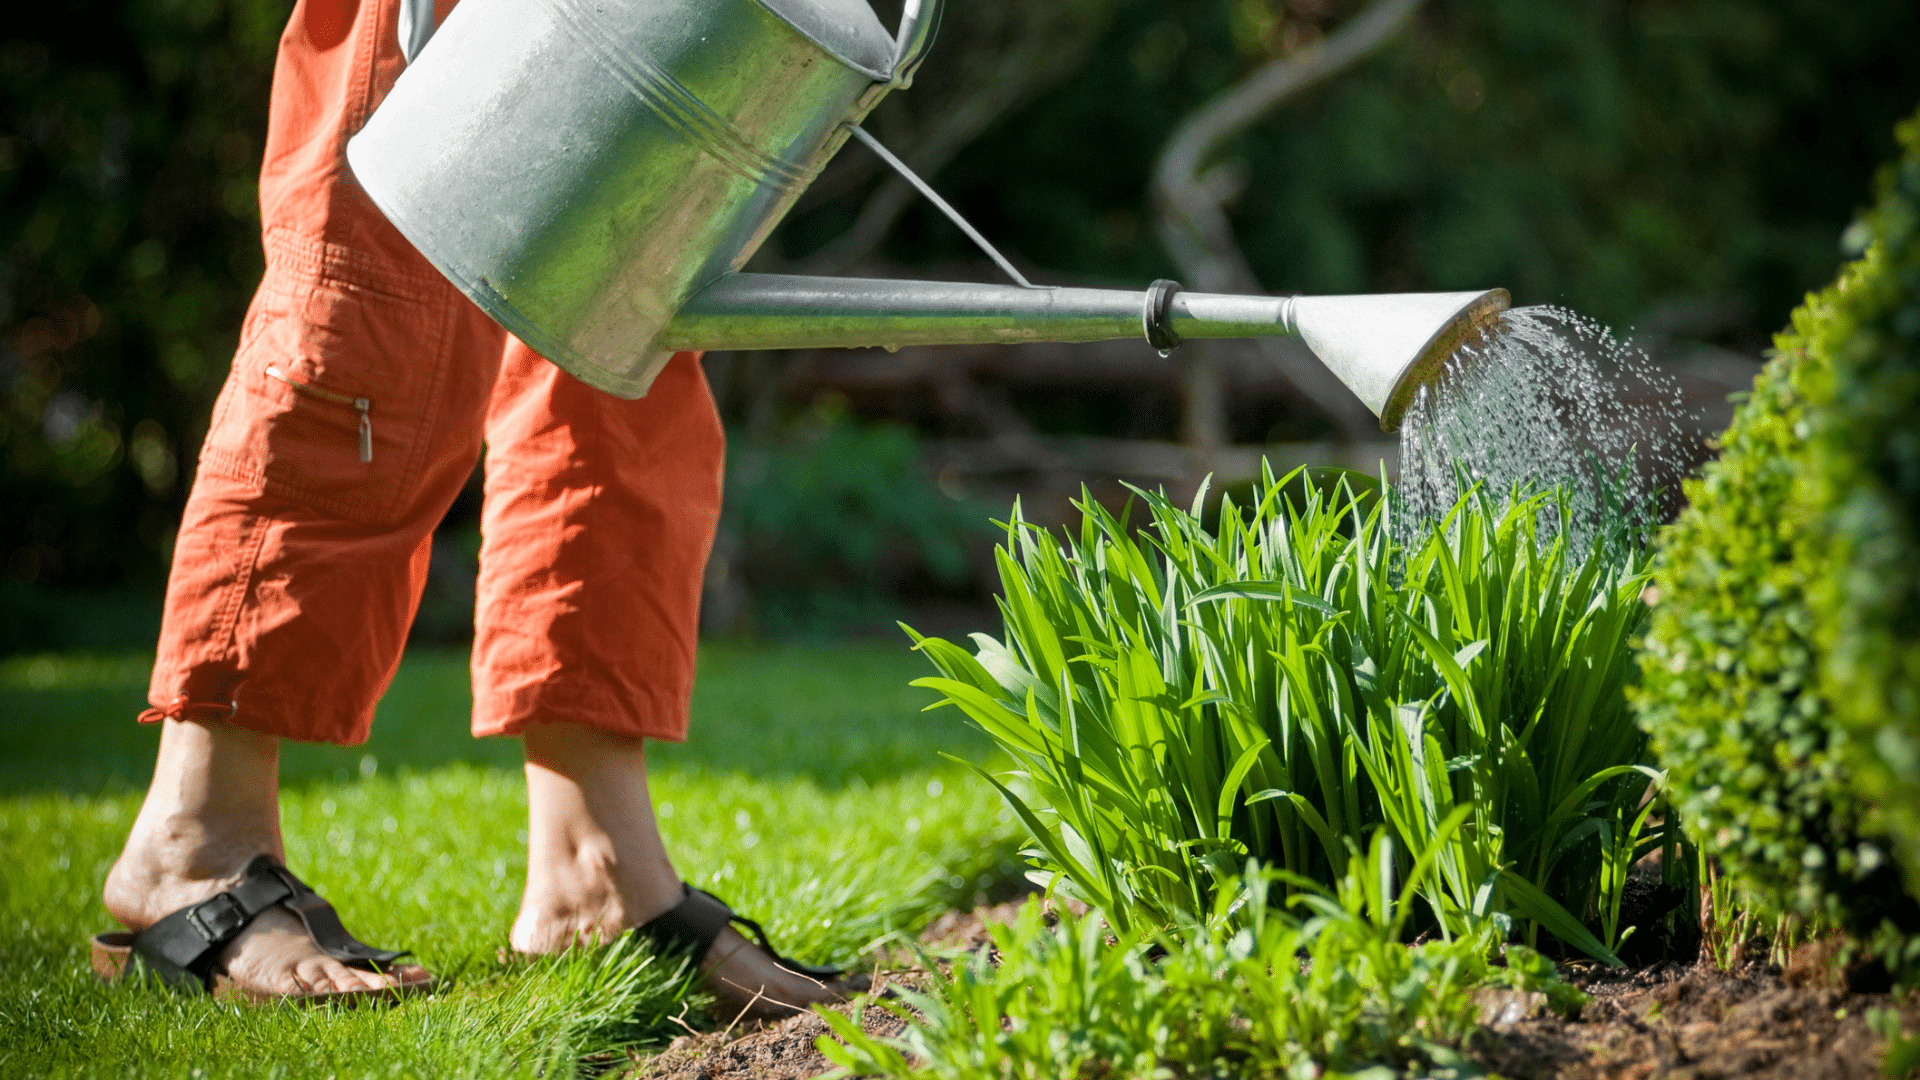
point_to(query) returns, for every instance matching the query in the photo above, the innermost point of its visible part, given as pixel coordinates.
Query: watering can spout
(1383, 347)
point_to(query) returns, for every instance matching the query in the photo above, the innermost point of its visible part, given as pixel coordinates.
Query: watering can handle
(918, 22)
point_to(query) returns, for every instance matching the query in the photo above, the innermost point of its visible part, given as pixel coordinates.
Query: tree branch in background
(1008, 52)
(1188, 197)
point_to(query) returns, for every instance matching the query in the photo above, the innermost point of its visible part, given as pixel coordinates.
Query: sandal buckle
(217, 918)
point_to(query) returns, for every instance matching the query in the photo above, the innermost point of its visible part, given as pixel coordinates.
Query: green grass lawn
(811, 795)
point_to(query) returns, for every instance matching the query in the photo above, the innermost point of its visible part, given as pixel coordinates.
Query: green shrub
(1786, 603)
(1866, 465)
(1280, 686)
(1324, 985)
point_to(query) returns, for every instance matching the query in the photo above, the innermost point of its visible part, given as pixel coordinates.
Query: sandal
(690, 928)
(183, 949)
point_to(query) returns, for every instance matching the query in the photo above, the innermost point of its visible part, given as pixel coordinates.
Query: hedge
(1779, 667)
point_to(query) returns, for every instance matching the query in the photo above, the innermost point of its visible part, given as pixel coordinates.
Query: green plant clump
(1324, 986)
(1781, 665)
(1280, 686)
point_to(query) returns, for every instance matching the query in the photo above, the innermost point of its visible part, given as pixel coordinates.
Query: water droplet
(1164, 353)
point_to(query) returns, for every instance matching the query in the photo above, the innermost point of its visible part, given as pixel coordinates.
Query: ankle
(213, 779)
(180, 846)
(212, 807)
(595, 861)
(576, 866)
(153, 877)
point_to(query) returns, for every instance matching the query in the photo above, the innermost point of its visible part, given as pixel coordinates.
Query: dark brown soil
(1696, 1022)
(1667, 1022)
(782, 1051)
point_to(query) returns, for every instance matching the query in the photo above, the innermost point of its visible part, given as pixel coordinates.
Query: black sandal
(690, 928)
(183, 949)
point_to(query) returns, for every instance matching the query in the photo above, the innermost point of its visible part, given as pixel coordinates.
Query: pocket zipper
(361, 405)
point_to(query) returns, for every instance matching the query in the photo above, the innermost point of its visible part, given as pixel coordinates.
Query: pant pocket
(335, 394)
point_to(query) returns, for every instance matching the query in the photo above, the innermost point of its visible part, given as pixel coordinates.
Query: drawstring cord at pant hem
(185, 708)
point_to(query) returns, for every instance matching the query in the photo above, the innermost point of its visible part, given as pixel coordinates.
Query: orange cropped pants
(358, 402)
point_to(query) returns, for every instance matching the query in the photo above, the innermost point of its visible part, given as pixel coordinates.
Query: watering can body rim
(919, 21)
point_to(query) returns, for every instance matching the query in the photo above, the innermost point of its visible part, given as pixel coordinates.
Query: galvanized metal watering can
(594, 173)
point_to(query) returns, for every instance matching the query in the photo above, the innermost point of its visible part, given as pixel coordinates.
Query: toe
(321, 975)
(345, 979)
(374, 980)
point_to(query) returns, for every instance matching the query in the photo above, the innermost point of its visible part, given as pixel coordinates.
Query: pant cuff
(579, 700)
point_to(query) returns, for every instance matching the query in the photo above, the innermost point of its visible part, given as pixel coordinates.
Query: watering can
(594, 173)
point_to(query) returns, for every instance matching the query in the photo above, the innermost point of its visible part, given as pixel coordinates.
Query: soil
(1664, 1022)
(1696, 1022)
(782, 1051)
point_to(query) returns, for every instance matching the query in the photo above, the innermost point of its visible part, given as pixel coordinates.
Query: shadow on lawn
(833, 714)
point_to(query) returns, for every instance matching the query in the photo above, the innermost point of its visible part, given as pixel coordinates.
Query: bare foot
(596, 868)
(212, 807)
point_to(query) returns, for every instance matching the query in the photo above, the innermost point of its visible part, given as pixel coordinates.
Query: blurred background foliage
(827, 521)
(1684, 158)
(1684, 166)
(130, 137)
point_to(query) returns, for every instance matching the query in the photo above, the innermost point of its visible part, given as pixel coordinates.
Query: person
(358, 400)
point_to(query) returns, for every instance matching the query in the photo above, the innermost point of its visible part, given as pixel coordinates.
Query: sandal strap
(184, 948)
(689, 927)
(326, 930)
(821, 973)
(692, 926)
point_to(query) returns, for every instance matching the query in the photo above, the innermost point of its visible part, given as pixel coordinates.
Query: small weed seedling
(1324, 984)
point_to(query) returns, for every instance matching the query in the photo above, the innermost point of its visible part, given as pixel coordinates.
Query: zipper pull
(363, 406)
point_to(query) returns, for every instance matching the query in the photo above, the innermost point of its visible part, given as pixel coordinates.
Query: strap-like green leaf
(1223, 810)
(1262, 590)
(1527, 899)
